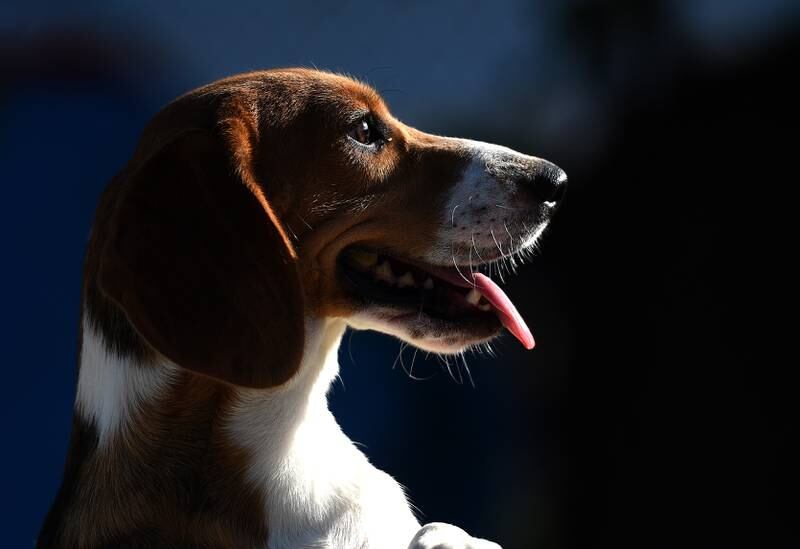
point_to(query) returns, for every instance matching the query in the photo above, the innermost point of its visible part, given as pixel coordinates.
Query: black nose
(548, 182)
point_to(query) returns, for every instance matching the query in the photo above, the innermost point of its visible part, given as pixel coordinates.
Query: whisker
(499, 248)
(466, 368)
(450, 370)
(470, 282)
(294, 234)
(511, 238)
(471, 268)
(402, 362)
(476, 249)
(504, 207)
(411, 370)
(403, 346)
(460, 380)
(453, 215)
(304, 221)
(447, 365)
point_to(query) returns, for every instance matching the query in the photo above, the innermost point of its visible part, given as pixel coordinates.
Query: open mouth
(451, 298)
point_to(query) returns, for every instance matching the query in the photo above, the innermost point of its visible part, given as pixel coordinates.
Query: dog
(258, 218)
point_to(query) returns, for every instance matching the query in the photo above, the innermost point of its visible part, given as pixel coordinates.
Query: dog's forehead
(350, 94)
(283, 94)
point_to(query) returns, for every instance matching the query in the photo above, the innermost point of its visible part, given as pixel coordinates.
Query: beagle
(259, 217)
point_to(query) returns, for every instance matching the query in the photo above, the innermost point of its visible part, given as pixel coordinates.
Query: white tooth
(363, 259)
(428, 284)
(484, 307)
(406, 280)
(384, 272)
(474, 296)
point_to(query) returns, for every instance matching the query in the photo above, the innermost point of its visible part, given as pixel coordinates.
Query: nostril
(549, 183)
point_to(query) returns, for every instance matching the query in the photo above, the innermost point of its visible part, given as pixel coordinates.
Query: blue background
(652, 412)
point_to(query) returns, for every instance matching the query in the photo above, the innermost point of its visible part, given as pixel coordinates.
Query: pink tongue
(505, 310)
(508, 314)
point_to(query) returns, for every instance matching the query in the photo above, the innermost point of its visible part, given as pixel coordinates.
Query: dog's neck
(266, 422)
(112, 388)
(153, 443)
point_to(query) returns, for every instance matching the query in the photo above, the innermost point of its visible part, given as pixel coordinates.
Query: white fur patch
(321, 491)
(481, 213)
(110, 388)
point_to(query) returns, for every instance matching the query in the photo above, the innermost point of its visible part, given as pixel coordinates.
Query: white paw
(438, 535)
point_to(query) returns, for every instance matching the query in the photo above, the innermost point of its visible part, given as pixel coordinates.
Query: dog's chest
(319, 489)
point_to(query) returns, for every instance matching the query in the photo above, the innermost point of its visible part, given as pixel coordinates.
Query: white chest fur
(321, 491)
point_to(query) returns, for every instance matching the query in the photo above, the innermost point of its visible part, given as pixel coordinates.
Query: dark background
(659, 408)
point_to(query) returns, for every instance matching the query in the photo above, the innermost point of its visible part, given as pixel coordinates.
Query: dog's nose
(548, 182)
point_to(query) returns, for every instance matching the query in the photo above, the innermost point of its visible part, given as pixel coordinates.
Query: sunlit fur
(321, 490)
(173, 448)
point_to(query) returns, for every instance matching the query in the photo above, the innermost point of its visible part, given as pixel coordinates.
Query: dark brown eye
(363, 132)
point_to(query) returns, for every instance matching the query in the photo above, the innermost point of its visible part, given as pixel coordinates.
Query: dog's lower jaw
(443, 344)
(320, 490)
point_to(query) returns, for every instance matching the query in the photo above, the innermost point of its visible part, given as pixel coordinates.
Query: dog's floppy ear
(199, 263)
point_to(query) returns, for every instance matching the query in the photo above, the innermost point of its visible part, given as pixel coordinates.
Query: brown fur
(209, 249)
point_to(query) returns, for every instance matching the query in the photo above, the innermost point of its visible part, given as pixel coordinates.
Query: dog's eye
(369, 132)
(363, 132)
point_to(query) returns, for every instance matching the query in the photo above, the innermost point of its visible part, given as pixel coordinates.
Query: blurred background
(659, 408)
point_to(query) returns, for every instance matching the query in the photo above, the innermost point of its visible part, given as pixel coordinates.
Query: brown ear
(199, 264)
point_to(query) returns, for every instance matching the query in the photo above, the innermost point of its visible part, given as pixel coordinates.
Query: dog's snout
(547, 182)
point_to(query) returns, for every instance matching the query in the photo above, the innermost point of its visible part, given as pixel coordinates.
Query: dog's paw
(438, 535)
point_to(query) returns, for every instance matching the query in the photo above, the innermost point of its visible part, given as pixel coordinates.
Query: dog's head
(264, 199)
